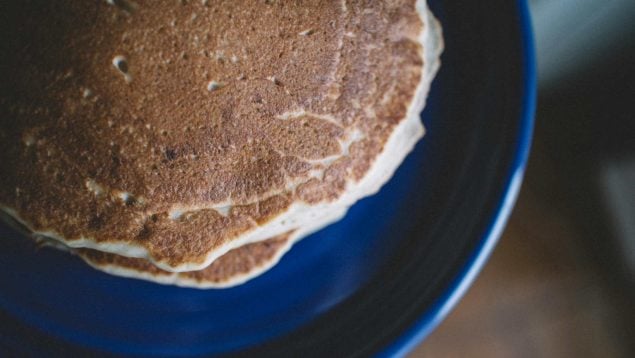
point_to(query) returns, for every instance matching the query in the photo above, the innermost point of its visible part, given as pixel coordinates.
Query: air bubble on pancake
(275, 80)
(213, 86)
(125, 5)
(126, 197)
(220, 56)
(175, 214)
(223, 210)
(121, 64)
(94, 187)
(306, 32)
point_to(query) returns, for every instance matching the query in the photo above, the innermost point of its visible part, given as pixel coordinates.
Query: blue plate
(376, 282)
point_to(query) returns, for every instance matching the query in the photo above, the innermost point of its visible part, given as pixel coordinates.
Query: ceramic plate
(376, 282)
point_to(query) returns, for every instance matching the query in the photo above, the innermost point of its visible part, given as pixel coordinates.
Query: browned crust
(68, 117)
(227, 269)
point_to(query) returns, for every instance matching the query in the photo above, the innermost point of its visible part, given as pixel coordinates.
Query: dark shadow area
(561, 281)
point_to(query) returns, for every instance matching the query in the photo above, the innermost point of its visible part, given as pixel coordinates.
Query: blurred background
(561, 282)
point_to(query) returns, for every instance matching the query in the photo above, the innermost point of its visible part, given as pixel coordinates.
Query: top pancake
(129, 127)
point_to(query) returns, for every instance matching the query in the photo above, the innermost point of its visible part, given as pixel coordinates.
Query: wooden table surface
(541, 294)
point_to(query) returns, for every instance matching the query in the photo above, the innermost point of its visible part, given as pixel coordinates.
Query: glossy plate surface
(376, 282)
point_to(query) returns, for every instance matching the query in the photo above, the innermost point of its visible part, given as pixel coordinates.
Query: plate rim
(426, 323)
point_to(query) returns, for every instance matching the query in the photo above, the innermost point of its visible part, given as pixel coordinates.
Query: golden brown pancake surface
(178, 127)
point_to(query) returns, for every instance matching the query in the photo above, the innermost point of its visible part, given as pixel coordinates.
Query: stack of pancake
(193, 142)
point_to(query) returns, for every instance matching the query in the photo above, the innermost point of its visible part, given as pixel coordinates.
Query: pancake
(233, 268)
(177, 131)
